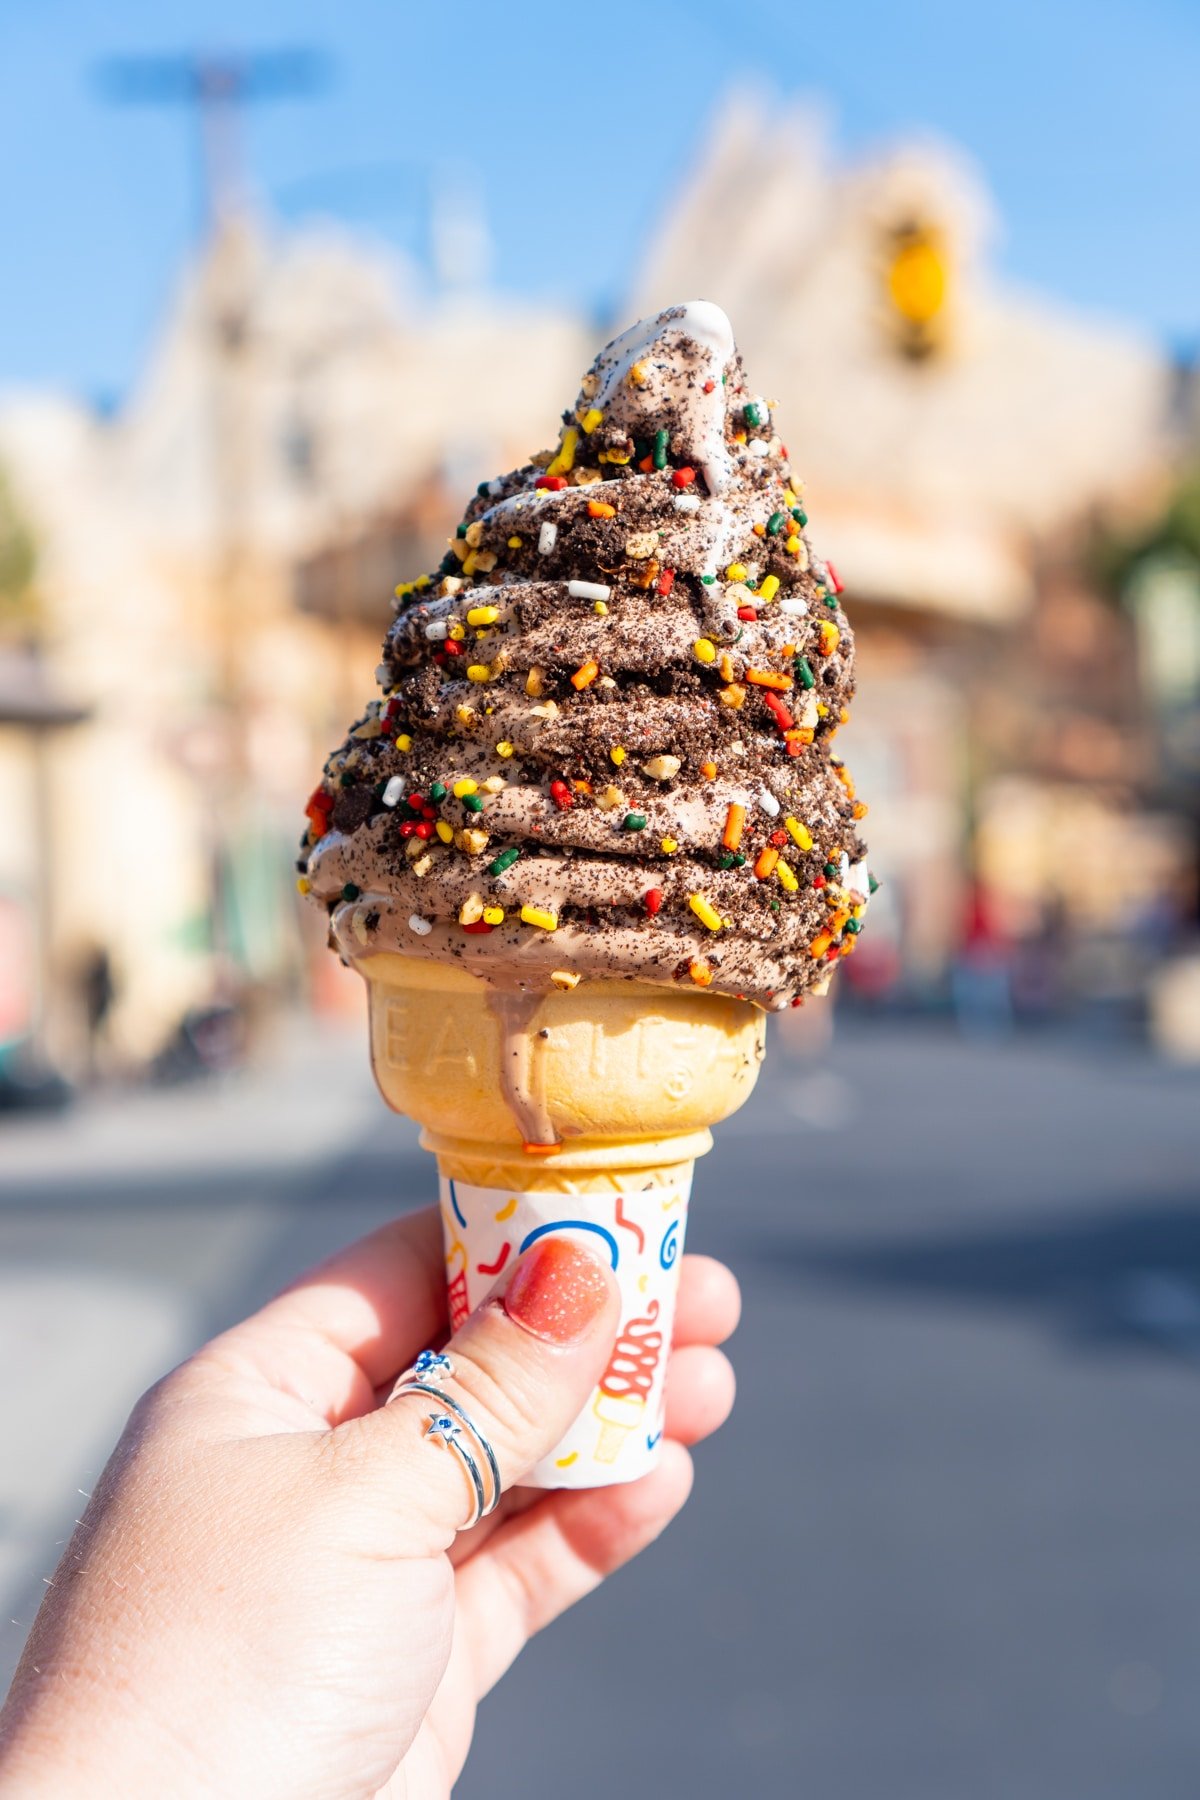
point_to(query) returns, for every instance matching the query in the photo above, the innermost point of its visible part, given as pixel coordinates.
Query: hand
(268, 1595)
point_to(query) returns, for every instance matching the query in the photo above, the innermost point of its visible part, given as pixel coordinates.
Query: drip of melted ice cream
(580, 764)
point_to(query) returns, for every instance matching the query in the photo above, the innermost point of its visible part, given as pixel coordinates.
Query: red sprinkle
(561, 795)
(709, 386)
(666, 582)
(683, 477)
(779, 839)
(479, 927)
(779, 711)
(747, 612)
(553, 482)
(408, 828)
(451, 648)
(835, 580)
(654, 900)
(818, 881)
(416, 800)
(424, 829)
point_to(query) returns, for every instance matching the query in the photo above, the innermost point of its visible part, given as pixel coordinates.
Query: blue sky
(576, 121)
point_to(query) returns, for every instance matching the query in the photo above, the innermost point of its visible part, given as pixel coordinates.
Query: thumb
(521, 1369)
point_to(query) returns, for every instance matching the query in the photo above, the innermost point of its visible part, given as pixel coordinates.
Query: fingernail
(558, 1291)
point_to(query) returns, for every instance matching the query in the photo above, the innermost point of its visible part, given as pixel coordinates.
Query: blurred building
(958, 438)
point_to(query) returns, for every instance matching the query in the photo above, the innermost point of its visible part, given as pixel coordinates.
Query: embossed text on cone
(630, 1077)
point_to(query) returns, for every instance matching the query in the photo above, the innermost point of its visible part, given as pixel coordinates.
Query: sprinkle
(591, 418)
(769, 588)
(704, 650)
(514, 542)
(483, 615)
(792, 545)
(736, 572)
(478, 672)
(561, 795)
(683, 477)
(493, 915)
(804, 674)
(421, 926)
(393, 793)
(835, 580)
(800, 835)
(753, 414)
(565, 460)
(303, 884)
(820, 945)
(588, 590)
(535, 683)
(505, 860)
(445, 831)
(794, 607)
(472, 802)
(457, 633)
(735, 821)
(705, 911)
(653, 899)
(585, 675)
(537, 915)
(668, 846)
(504, 748)
(666, 582)
(437, 790)
(404, 742)
(709, 770)
(662, 438)
(759, 447)
(787, 876)
(768, 856)
(436, 630)
(766, 678)
(662, 768)
(700, 972)
(776, 523)
(687, 503)
(478, 928)
(831, 637)
(600, 509)
(617, 754)
(553, 484)
(546, 537)
(634, 822)
(800, 516)
(639, 375)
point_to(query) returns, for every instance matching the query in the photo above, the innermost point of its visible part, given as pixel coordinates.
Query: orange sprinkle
(582, 787)
(709, 769)
(768, 679)
(767, 858)
(600, 509)
(799, 734)
(860, 809)
(646, 464)
(700, 972)
(760, 530)
(820, 944)
(735, 820)
(584, 676)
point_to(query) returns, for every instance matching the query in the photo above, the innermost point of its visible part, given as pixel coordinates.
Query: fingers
(709, 1304)
(522, 1367)
(700, 1393)
(542, 1561)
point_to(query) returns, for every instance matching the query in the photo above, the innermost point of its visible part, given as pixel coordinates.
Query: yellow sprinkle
(704, 650)
(504, 749)
(769, 588)
(514, 542)
(823, 712)
(789, 497)
(705, 911)
(493, 915)
(831, 637)
(535, 683)
(404, 742)
(617, 754)
(792, 546)
(620, 457)
(403, 587)
(303, 884)
(820, 944)
(600, 609)
(478, 672)
(591, 418)
(422, 581)
(457, 632)
(465, 714)
(800, 835)
(700, 972)
(639, 375)
(564, 978)
(445, 831)
(536, 915)
(669, 846)
(483, 615)
(787, 877)
(564, 462)
(464, 787)
(736, 572)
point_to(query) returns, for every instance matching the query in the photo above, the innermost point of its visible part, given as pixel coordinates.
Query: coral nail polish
(558, 1291)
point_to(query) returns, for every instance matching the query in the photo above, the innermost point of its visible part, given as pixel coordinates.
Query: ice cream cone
(629, 1079)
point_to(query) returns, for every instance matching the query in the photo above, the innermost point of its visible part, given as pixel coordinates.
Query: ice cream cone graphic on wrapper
(594, 830)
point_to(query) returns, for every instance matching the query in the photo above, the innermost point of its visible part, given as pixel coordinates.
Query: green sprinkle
(804, 674)
(750, 582)
(460, 531)
(774, 906)
(830, 871)
(438, 791)
(473, 803)
(724, 381)
(732, 860)
(661, 439)
(753, 414)
(634, 821)
(505, 860)
(776, 523)
(708, 580)
(351, 891)
(854, 926)
(872, 885)
(800, 516)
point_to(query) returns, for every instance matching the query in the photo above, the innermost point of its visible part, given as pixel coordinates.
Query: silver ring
(447, 1428)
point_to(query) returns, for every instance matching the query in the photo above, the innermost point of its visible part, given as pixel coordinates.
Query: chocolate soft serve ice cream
(605, 746)
(593, 831)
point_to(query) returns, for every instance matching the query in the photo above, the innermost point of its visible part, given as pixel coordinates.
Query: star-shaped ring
(441, 1425)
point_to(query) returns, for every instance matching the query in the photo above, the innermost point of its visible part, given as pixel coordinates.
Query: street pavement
(948, 1548)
